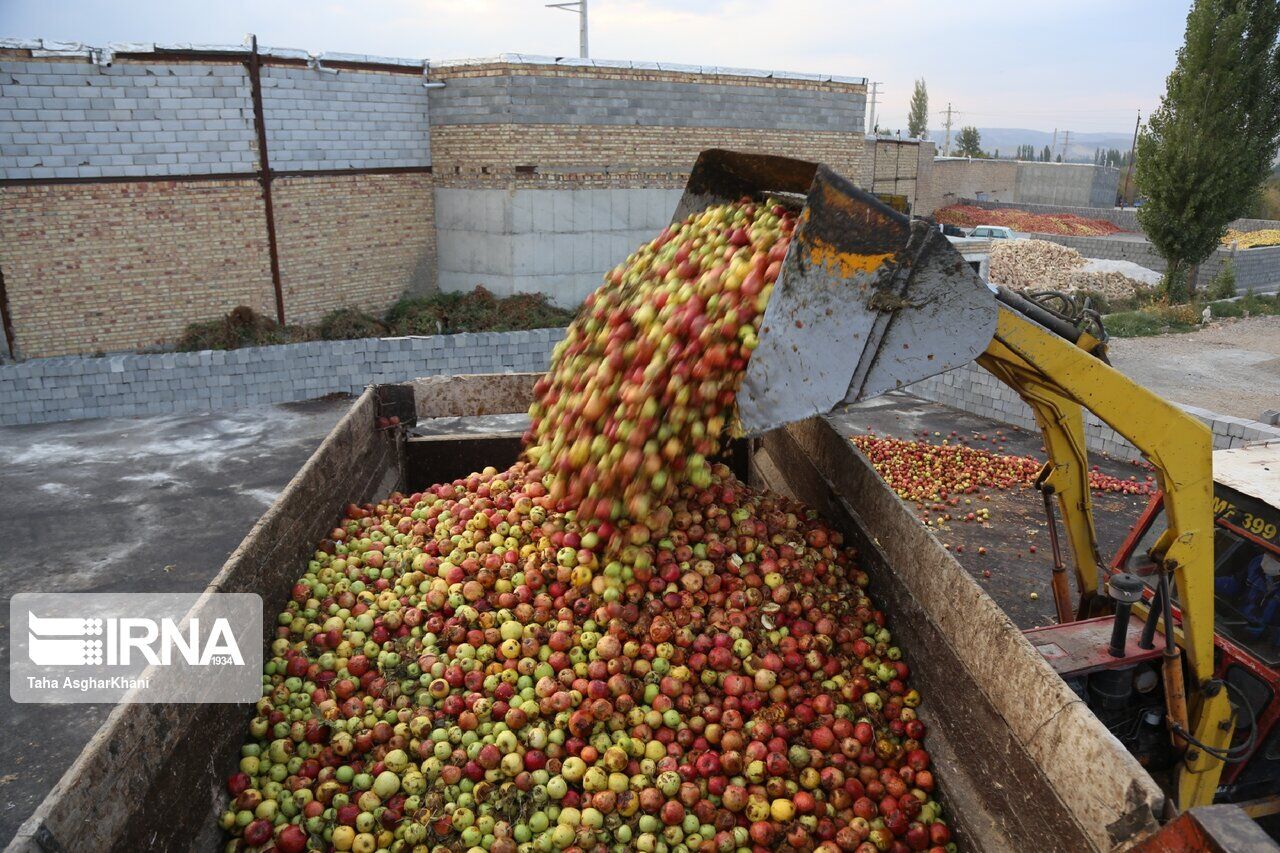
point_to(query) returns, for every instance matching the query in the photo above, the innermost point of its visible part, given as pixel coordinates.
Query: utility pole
(1133, 150)
(874, 92)
(580, 7)
(1053, 146)
(1066, 140)
(946, 146)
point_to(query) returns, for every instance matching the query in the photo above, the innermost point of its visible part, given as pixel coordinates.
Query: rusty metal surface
(1079, 648)
(719, 176)
(866, 301)
(396, 401)
(1044, 772)
(5, 320)
(1209, 829)
(254, 66)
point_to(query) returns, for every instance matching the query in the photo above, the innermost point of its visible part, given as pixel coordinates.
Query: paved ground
(1231, 367)
(119, 505)
(1017, 516)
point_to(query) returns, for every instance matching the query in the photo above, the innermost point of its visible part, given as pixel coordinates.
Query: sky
(1084, 65)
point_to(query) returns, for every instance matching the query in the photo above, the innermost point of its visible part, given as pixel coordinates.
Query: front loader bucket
(867, 300)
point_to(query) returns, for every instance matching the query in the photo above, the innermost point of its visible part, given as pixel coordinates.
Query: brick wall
(544, 116)
(344, 119)
(354, 240)
(119, 266)
(491, 152)
(74, 119)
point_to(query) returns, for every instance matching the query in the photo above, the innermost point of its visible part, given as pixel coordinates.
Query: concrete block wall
(554, 241)
(549, 173)
(526, 95)
(539, 115)
(74, 119)
(340, 119)
(972, 389)
(63, 389)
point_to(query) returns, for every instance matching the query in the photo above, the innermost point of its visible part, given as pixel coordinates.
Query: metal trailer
(1022, 763)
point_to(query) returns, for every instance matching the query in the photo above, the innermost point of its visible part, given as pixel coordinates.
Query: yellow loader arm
(1058, 379)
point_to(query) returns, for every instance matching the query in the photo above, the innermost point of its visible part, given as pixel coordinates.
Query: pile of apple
(528, 660)
(938, 477)
(641, 389)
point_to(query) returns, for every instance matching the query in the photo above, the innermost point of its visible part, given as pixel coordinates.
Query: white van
(992, 232)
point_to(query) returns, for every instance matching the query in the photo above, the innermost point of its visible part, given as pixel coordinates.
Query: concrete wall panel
(556, 241)
(1080, 184)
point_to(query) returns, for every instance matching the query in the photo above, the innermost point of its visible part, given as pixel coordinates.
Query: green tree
(1209, 145)
(969, 142)
(918, 117)
(1045, 156)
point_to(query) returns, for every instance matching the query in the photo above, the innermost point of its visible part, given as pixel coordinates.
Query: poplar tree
(918, 117)
(1210, 144)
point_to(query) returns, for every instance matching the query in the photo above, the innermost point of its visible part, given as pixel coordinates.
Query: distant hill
(1007, 140)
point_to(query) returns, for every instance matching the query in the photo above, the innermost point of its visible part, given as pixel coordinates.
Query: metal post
(264, 174)
(1148, 638)
(580, 7)
(6, 319)
(1126, 590)
(1133, 149)
(1061, 592)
